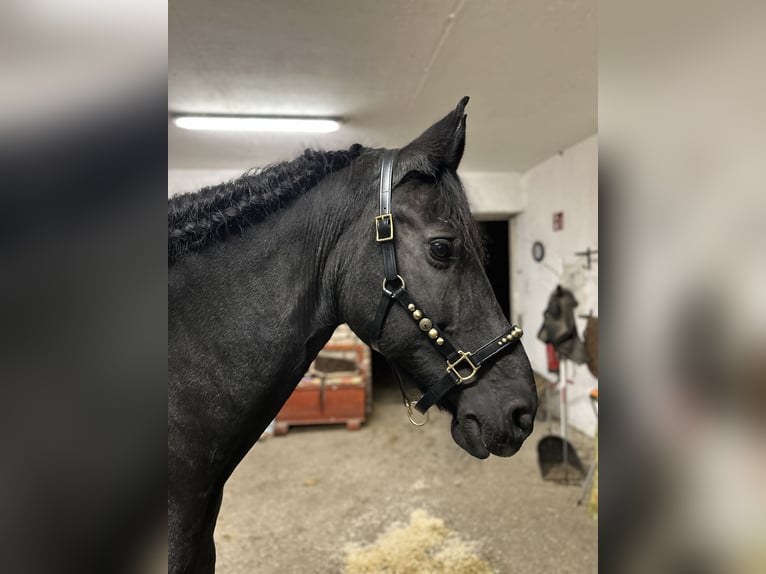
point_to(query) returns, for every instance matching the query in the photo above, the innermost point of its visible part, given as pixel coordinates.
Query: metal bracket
(588, 253)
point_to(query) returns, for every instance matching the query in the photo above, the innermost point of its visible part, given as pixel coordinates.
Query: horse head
(439, 254)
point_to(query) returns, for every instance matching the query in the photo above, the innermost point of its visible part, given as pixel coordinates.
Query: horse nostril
(523, 418)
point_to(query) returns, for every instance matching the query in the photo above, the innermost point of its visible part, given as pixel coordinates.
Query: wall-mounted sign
(538, 251)
(558, 221)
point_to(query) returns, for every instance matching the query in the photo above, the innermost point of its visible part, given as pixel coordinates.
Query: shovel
(557, 457)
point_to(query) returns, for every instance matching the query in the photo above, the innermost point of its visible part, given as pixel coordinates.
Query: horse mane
(198, 219)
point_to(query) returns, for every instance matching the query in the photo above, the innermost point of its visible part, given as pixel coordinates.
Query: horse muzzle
(484, 425)
(482, 439)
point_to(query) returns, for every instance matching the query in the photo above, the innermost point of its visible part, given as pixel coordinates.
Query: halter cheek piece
(462, 367)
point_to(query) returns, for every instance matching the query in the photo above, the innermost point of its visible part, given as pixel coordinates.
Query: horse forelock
(452, 205)
(450, 201)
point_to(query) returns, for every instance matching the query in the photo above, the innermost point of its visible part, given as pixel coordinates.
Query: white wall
(188, 180)
(494, 195)
(566, 182)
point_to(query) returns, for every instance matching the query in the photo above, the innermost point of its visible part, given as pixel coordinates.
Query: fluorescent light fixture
(256, 124)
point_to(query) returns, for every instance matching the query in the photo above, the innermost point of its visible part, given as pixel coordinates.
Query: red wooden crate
(312, 405)
(341, 399)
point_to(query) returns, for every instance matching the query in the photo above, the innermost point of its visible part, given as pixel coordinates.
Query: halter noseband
(462, 367)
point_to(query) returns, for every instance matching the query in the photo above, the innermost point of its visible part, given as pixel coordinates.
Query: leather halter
(462, 367)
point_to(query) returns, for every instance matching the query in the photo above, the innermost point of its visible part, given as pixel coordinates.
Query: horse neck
(291, 281)
(264, 302)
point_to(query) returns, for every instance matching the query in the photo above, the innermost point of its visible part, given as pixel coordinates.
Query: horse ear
(438, 148)
(559, 291)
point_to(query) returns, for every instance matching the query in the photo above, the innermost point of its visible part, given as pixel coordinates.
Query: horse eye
(441, 249)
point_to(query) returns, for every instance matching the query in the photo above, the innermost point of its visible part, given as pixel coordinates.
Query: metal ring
(409, 415)
(401, 280)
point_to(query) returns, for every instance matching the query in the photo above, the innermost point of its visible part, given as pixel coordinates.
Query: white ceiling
(388, 69)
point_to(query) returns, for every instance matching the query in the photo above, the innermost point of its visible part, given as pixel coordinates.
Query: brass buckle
(464, 357)
(386, 217)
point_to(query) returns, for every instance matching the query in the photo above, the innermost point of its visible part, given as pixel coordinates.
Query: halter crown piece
(462, 366)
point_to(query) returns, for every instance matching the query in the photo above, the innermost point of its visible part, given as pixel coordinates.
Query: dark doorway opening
(498, 261)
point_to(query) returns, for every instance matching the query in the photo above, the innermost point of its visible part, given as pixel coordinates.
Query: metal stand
(548, 405)
(592, 469)
(563, 372)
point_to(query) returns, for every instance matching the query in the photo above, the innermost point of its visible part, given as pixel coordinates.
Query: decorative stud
(411, 307)
(425, 324)
(499, 343)
(417, 314)
(440, 341)
(433, 333)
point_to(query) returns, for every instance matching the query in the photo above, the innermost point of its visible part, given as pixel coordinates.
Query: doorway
(497, 265)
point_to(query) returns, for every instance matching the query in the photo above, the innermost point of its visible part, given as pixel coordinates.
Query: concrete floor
(296, 501)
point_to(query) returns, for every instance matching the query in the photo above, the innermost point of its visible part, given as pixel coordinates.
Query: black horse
(263, 268)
